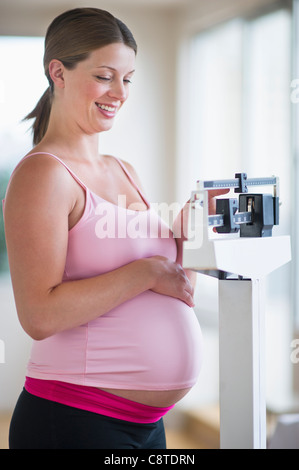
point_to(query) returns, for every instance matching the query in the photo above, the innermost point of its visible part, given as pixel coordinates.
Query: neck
(79, 149)
(69, 141)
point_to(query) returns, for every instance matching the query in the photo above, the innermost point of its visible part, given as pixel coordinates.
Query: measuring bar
(240, 218)
(240, 183)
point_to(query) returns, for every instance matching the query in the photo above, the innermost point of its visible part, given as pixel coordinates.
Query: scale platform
(253, 258)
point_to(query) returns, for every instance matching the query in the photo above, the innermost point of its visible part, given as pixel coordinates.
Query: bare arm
(38, 203)
(180, 229)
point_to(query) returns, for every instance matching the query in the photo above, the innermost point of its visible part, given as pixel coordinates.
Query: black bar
(242, 186)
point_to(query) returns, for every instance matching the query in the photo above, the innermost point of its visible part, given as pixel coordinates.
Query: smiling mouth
(104, 107)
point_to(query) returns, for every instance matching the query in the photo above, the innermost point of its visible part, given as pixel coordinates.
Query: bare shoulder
(38, 174)
(38, 166)
(134, 174)
(131, 170)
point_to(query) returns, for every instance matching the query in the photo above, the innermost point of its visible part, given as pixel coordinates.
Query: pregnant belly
(148, 349)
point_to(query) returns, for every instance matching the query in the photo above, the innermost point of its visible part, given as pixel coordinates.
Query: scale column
(242, 364)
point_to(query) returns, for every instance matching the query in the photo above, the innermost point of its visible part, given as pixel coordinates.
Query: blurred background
(215, 93)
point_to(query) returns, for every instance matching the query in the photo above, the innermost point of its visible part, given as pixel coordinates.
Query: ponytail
(41, 114)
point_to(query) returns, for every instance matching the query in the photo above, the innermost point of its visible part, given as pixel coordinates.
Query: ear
(56, 71)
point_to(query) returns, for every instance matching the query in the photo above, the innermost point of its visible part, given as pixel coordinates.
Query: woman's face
(96, 89)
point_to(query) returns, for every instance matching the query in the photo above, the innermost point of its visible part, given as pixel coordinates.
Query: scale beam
(240, 183)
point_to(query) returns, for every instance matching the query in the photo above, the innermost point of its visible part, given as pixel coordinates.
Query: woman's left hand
(180, 225)
(180, 228)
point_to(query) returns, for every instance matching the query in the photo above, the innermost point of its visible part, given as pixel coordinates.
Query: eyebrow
(110, 68)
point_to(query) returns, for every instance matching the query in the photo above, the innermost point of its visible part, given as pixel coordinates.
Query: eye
(104, 79)
(127, 81)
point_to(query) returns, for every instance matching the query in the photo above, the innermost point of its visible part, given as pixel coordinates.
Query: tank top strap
(128, 174)
(60, 161)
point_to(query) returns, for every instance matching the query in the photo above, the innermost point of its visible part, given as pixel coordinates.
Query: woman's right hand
(170, 279)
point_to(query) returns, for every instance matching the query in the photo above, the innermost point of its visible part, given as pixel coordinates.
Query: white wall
(145, 131)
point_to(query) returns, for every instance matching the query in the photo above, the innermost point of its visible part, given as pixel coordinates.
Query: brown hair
(70, 38)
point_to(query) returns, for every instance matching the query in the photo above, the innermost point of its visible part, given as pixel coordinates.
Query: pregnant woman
(115, 340)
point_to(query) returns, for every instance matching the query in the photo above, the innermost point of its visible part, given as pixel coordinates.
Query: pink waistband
(94, 400)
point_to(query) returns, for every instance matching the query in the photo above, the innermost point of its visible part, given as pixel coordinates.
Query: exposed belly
(161, 398)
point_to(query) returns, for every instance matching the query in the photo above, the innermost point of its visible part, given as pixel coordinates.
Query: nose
(119, 90)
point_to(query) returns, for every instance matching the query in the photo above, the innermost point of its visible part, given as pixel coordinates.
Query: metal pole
(242, 364)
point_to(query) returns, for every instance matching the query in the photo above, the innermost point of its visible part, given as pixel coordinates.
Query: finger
(189, 301)
(189, 291)
(218, 192)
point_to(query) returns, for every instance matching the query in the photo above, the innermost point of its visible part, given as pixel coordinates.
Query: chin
(104, 125)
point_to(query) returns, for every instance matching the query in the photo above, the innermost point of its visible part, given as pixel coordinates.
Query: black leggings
(42, 424)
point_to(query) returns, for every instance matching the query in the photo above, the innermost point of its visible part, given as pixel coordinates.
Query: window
(237, 119)
(216, 92)
(22, 82)
(240, 91)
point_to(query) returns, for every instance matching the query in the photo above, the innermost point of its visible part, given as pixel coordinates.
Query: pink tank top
(150, 342)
